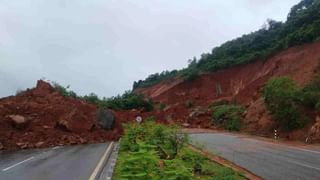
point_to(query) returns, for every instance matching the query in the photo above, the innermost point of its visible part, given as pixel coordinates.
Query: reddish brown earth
(42, 117)
(242, 84)
(49, 119)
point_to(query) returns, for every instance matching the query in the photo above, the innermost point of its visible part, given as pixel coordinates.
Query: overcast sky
(102, 46)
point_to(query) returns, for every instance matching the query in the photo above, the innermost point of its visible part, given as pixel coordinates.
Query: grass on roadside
(153, 151)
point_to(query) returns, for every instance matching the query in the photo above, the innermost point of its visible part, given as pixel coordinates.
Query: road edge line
(17, 164)
(224, 162)
(102, 161)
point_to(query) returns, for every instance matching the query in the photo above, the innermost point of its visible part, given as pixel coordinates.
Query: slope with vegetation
(238, 72)
(302, 26)
(126, 101)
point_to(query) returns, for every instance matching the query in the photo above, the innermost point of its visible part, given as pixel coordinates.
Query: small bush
(63, 90)
(141, 165)
(228, 116)
(194, 160)
(190, 74)
(167, 139)
(281, 96)
(218, 103)
(310, 94)
(162, 106)
(150, 119)
(189, 104)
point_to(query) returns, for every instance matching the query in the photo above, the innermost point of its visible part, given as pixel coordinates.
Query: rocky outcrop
(106, 119)
(314, 133)
(18, 121)
(76, 121)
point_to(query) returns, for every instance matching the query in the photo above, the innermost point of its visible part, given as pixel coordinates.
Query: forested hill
(302, 26)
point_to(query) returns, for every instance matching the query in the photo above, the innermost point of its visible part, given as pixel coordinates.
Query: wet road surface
(266, 159)
(61, 163)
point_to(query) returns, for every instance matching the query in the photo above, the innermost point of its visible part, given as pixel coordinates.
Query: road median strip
(226, 163)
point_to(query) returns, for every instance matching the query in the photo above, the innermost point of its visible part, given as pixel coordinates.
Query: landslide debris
(42, 117)
(106, 118)
(18, 121)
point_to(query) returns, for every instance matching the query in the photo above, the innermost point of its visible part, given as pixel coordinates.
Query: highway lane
(264, 158)
(61, 163)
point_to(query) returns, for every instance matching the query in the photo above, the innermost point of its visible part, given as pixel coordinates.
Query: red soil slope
(243, 84)
(50, 120)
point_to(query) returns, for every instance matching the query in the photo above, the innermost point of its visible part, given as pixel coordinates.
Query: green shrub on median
(154, 151)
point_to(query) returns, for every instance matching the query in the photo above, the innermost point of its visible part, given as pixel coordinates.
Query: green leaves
(281, 90)
(228, 116)
(127, 101)
(282, 98)
(154, 79)
(159, 153)
(310, 94)
(142, 148)
(139, 165)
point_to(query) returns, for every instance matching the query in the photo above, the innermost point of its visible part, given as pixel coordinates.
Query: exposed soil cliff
(42, 117)
(243, 84)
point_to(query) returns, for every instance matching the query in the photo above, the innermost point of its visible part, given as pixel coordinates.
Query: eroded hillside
(242, 84)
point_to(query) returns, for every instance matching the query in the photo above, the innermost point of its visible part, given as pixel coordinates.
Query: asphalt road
(264, 158)
(61, 163)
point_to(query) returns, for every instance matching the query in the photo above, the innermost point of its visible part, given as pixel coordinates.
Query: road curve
(61, 163)
(264, 158)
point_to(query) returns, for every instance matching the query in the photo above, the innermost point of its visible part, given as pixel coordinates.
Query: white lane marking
(307, 150)
(262, 141)
(57, 147)
(286, 146)
(102, 160)
(305, 165)
(6, 169)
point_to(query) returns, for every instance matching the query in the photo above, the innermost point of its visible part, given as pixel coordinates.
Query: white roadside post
(307, 139)
(139, 119)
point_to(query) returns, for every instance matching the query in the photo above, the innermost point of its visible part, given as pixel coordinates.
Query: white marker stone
(139, 119)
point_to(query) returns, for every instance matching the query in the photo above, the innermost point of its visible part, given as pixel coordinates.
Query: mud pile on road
(42, 117)
(242, 84)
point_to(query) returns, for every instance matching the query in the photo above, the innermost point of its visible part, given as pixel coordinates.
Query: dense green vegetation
(153, 151)
(286, 101)
(281, 97)
(302, 26)
(154, 79)
(228, 116)
(310, 94)
(126, 101)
